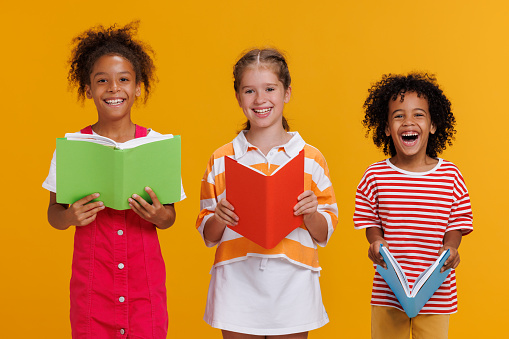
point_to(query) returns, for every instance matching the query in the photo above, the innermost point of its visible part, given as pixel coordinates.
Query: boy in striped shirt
(414, 203)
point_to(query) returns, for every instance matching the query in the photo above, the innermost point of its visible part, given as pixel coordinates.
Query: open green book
(88, 164)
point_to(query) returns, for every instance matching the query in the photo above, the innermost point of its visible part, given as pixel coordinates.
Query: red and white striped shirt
(414, 210)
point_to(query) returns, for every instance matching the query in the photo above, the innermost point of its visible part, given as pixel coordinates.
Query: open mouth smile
(114, 102)
(409, 138)
(262, 112)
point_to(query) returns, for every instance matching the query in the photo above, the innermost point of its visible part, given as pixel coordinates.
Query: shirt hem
(420, 312)
(270, 256)
(265, 331)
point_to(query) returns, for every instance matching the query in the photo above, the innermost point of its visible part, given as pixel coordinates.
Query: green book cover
(85, 167)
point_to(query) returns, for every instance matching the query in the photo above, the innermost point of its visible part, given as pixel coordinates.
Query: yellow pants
(391, 323)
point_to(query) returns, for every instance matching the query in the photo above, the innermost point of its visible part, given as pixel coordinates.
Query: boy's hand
(375, 236)
(83, 211)
(224, 213)
(163, 216)
(374, 252)
(454, 258)
(452, 241)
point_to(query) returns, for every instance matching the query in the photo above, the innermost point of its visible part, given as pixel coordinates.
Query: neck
(414, 163)
(267, 138)
(120, 131)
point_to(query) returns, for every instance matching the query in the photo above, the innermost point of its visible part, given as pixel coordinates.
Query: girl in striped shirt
(414, 203)
(256, 292)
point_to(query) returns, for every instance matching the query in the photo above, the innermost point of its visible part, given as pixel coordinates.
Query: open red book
(264, 204)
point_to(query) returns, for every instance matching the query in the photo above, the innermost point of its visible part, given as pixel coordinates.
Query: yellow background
(336, 49)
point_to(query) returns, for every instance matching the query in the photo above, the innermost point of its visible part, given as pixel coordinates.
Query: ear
(433, 128)
(88, 92)
(138, 89)
(387, 130)
(288, 94)
(237, 96)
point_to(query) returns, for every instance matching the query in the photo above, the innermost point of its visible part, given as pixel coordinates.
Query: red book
(264, 204)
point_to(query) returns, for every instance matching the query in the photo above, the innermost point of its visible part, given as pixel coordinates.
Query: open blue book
(426, 284)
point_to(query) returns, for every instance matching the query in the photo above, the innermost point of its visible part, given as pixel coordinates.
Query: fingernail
(135, 196)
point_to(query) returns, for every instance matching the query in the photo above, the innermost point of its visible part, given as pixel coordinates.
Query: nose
(114, 87)
(259, 98)
(409, 121)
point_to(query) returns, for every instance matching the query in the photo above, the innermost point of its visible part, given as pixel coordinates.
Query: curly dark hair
(97, 41)
(376, 109)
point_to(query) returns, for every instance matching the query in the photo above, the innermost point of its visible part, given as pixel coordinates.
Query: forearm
(57, 216)
(317, 226)
(213, 229)
(169, 219)
(453, 239)
(374, 234)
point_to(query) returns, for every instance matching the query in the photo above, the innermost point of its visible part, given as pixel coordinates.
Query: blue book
(426, 284)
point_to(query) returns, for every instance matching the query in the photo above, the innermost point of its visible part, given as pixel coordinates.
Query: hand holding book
(452, 241)
(163, 216)
(413, 299)
(375, 237)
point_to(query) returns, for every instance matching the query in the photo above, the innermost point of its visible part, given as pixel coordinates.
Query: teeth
(114, 101)
(265, 110)
(410, 134)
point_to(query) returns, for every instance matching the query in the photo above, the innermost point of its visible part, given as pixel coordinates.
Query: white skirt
(265, 296)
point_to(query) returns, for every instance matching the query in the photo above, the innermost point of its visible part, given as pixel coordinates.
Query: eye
(124, 79)
(101, 80)
(270, 89)
(249, 91)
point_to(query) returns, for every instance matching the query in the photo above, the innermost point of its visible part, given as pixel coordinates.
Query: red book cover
(264, 204)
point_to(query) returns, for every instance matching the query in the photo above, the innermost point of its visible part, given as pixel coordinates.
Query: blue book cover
(412, 300)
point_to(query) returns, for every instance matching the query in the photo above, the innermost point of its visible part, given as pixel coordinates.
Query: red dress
(118, 277)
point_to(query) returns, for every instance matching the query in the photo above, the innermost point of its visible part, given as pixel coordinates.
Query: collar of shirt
(292, 148)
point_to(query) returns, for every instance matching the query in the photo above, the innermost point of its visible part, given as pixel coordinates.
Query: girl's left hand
(454, 258)
(163, 216)
(307, 205)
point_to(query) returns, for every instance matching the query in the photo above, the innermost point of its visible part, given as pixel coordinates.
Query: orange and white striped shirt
(298, 247)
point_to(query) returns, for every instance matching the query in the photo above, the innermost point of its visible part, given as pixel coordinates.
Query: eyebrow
(105, 73)
(266, 84)
(415, 109)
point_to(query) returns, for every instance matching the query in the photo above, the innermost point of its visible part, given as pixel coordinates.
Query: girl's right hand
(83, 211)
(224, 213)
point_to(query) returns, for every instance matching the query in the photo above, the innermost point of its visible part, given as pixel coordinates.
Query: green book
(89, 164)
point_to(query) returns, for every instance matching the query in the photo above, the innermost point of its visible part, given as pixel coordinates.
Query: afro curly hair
(376, 109)
(97, 41)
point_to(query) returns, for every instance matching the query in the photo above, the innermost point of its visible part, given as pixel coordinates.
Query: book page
(399, 271)
(99, 139)
(423, 277)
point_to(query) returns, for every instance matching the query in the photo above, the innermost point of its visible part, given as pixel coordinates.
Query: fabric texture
(264, 296)
(414, 210)
(391, 323)
(117, 287)
(298, 247)
(258, 291)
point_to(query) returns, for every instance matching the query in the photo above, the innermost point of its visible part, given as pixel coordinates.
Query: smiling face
(409, 125)
(262, 97)
(113, 87)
